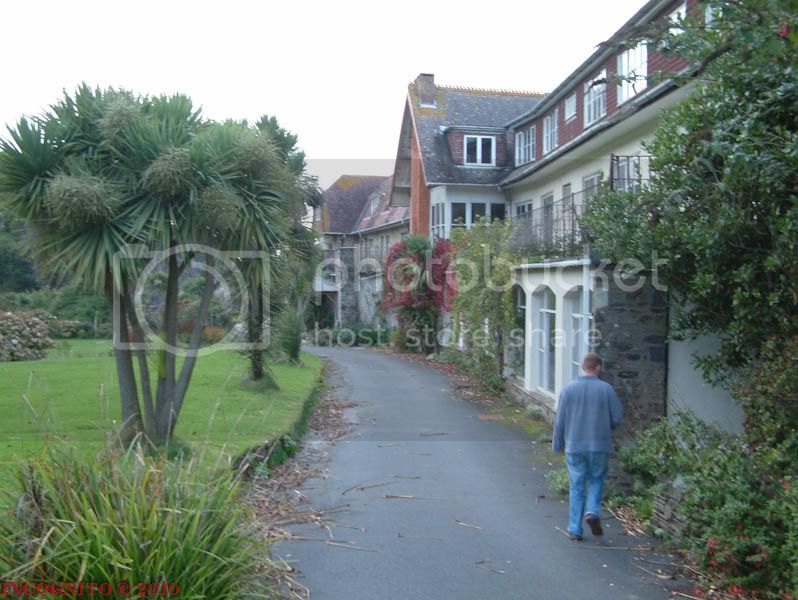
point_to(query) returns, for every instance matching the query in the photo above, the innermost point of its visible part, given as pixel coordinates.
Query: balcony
(552, 230)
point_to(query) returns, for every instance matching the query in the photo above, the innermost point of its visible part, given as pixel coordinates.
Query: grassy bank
(72, 396)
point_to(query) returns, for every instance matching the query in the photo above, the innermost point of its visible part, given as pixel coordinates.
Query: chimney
(425, 88)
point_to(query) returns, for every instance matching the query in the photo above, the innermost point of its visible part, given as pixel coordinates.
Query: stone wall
(632, 327)
(347, 287)
(369, 297)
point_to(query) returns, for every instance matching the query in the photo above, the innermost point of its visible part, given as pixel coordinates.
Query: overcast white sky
(334, 72)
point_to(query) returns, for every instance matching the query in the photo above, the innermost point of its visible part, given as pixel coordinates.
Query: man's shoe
(595, 524)
(574, 536)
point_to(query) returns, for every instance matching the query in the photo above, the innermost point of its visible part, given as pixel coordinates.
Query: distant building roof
(343, 201)
(359, 203)
(436, 108)
(377, 210)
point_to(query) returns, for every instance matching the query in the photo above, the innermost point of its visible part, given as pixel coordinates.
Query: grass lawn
(72, 395)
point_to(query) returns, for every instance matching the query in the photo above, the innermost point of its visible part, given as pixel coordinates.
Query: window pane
(477, 211)
(458, 213)
(471, 149)
(497, 212)
(487, 150)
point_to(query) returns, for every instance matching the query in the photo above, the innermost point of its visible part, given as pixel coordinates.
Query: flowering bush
(23, 336)
(418, 287)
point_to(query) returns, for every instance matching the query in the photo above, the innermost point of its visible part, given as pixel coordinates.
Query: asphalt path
(429, 501)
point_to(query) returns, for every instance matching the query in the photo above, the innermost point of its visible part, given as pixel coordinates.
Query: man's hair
(592, 361)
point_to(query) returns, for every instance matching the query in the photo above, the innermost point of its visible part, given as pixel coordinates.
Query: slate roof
(384, 214)
(464, 107)
(343, 201)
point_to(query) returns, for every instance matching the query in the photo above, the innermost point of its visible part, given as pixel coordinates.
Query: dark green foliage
(75, 313)
(16, 271)
(768, 393)
(740, 501)
(722, 209)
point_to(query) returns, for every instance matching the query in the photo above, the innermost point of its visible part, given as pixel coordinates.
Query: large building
(358, 225)
(538, 160)
(453, 151)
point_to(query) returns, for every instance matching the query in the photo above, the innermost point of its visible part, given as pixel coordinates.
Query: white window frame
(520, 148)
(551, 131)
(591, 184)
(438, 220)
(633, 68)
(522, 209)
(595, 105)
(577, 345)
(479, 139)
(525, 146)
(569, 107)
(711, 15)
(531, 140)
(627, 174)
(676, 17)
(546, 347)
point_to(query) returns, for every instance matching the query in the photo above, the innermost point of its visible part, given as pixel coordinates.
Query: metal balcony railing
(552, 229)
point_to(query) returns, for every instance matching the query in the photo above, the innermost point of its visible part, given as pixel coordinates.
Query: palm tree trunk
(128, 394)
(165, 395)
(193, 346)
(255, 330)
(150, 421)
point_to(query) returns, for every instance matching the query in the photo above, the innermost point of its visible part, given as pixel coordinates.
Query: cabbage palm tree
(105, 169)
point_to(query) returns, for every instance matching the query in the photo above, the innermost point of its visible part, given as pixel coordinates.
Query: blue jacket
(587, 413)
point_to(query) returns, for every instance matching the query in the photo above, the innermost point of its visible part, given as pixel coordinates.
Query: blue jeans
(590, 468)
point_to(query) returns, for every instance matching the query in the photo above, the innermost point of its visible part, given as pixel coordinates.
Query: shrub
(126, 518)
(291, 326)
(23, 336)
(739, 501)
(769, 393)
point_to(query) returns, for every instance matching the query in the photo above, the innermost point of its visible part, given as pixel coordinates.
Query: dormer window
(595, 98)
(479, 150)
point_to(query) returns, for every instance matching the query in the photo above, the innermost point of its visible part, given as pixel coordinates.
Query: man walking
(587, 413)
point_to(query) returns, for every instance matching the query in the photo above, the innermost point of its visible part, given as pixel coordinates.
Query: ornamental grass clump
(127, 518)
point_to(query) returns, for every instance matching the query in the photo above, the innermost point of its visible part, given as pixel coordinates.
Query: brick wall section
(419, 194)
(457, 147)
(570, 129)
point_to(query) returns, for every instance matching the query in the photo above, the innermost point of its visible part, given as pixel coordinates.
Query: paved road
(479, 473)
